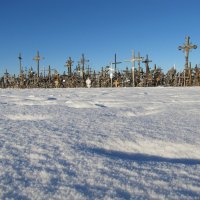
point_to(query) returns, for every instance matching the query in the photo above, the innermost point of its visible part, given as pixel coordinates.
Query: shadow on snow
(138, 157)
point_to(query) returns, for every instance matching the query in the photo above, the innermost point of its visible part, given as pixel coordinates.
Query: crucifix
(37, 58)
(147, 61)
(69, 64)
(186, 48)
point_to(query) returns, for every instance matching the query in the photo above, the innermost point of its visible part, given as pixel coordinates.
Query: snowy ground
(123, 143)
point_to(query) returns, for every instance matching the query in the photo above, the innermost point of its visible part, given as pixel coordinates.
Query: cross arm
(117, 63)
(193, 46)
(181, 47)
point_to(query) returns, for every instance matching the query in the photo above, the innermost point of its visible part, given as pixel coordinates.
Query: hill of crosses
(82, 75)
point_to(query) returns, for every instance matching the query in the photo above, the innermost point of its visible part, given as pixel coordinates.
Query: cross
(20, 64)
(37, 58)
(147, 61)
(68, 64)
(126, 72)
(111, 72)
(6, 73)
(83, 61)
(139, 59)
(89, 71)
(49, 72)
(116, 63)
(186, 48)
(132, 60)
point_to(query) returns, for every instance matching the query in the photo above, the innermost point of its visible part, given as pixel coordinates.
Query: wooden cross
(132, 60)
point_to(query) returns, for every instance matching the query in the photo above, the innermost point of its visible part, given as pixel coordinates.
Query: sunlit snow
(114, 143)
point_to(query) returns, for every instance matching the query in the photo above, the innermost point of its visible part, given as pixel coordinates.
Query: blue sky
(99, 29)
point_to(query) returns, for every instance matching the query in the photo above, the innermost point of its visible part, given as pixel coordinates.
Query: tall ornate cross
(186, 48)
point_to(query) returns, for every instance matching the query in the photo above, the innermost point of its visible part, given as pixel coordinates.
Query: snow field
(119, 143)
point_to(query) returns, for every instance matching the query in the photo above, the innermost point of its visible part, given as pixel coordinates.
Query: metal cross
(116, 63)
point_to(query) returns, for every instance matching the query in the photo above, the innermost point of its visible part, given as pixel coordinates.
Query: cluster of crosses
(83, 76)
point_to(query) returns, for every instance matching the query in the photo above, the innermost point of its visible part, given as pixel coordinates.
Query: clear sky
(99, 29)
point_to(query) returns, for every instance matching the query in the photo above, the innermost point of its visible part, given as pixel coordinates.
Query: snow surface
(115, 143)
